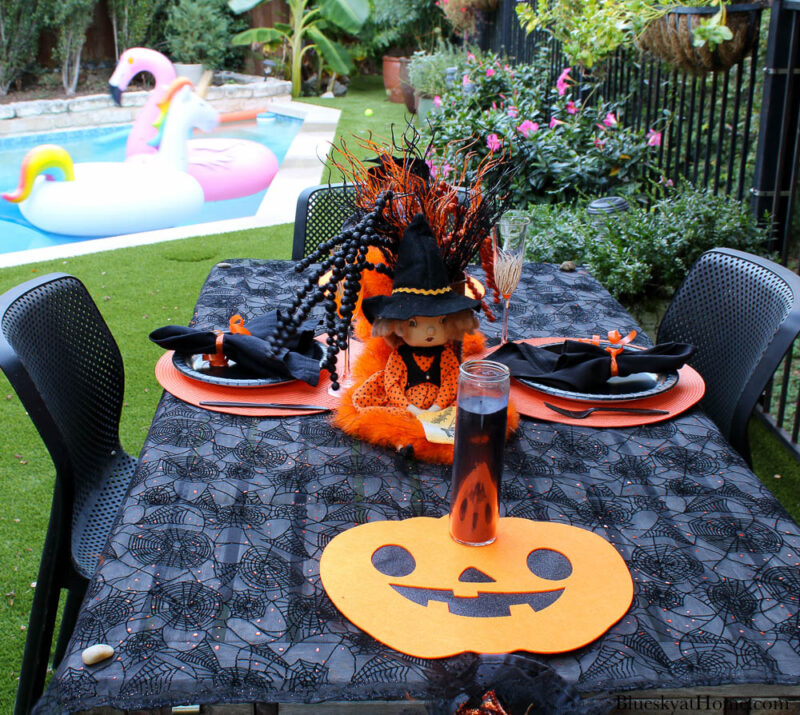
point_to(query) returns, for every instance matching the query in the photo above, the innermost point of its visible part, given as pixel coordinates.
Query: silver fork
(580, 414)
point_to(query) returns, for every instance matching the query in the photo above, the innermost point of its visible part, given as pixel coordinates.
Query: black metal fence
(708, 121)
(736, 131)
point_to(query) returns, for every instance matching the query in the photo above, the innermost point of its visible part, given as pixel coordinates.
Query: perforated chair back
(61, 359)
(321, 211)
(742, 313)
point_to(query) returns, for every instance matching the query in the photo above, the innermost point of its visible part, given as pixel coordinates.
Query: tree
(132, 21)
(20, 26)
(309, 21)
(71, 19)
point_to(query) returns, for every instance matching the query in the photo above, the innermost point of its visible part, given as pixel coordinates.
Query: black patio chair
(321, 211)
(742, 313)
(66, 368)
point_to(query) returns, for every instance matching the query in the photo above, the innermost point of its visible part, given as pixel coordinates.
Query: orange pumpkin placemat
(541, 586)
(529, 401)
(294, 392)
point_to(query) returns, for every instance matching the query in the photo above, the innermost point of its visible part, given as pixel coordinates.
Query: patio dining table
(209, 587)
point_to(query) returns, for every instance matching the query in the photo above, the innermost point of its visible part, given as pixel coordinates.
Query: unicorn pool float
(226, 168)
(110, 198)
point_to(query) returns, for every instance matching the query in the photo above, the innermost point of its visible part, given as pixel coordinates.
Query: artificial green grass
(776, 467)
(139, 289)
(365, 93)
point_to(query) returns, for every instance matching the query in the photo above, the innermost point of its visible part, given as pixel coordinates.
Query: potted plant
(197, 34)
(699, 39)
(427, 74)
(591, 32)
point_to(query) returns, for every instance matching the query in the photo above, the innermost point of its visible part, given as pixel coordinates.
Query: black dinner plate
(232, 375)
(635, 386)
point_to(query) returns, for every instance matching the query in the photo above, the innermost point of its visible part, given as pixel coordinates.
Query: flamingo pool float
(226, 168)
(110, 198)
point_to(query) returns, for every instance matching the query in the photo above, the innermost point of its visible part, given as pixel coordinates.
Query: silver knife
(266, 405)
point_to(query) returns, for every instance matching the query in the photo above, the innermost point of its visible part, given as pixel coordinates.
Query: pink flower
(437, 101)
(571, 108)
(494, 106)
(599, 143)
(490, 72)
(653, 138)
(465, 80)
(610, 120)
(493, 142)
(527, 128)
(664, 180)
(432, 168)
(554, 122)
(446, 169)
(512, 112)
(507, 68)
(470, 57)
(561, 82)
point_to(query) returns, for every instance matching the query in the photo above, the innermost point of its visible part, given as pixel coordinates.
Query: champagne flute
(508, 243)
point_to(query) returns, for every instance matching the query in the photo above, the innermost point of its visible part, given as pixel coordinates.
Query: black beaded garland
(345, 258)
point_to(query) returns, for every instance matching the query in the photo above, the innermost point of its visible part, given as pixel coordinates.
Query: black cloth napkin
(585, 367)
(299, 359)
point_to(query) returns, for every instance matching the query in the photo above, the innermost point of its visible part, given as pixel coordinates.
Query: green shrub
(427, 72)
(559, 147)
(648, 250)
(198, 32)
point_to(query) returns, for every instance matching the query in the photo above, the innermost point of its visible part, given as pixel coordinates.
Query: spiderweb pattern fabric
(209, 588)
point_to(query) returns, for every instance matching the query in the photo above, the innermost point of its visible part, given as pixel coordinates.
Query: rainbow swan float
(225, 168)
(110, 198)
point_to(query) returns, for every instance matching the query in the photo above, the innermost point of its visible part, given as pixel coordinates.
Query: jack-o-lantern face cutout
(540, 587)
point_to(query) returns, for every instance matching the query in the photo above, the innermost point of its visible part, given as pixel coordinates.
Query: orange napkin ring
(236, 325)
(218, 358)
(615, 338)
(618, 343)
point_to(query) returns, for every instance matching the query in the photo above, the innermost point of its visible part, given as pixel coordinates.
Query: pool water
(107, 143)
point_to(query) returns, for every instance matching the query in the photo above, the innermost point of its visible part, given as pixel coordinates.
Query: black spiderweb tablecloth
(209, 587)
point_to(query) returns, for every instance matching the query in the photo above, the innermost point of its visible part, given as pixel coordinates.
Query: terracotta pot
(408, 91)
(670, 38)
(391, 77)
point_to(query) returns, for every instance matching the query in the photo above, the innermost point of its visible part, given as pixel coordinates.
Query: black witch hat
(420, 286)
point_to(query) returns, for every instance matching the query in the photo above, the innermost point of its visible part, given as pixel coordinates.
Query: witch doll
(419, 325)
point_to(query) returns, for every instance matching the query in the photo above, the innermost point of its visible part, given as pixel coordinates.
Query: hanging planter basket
(670, 38)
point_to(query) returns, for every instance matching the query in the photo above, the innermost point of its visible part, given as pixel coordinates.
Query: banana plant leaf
(349, 15)
(262, 35)
(239, 6)
(335, 55)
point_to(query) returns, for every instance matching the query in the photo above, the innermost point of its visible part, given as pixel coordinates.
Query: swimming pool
(107, 143)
